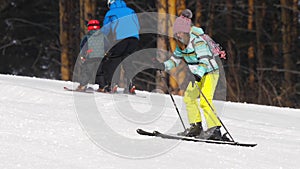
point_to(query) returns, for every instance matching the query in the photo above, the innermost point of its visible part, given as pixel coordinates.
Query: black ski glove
(195, 79)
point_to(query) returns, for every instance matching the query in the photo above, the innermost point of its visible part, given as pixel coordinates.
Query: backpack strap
(197, 34)
(205, 56)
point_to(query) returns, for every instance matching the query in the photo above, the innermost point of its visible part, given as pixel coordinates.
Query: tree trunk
(161, 39)
(171, 20)
(233, 79)
(251, 55)
(172, 16)
(259, 13)
(286, 39)
(69, 37)
(162, 24)
(211, 16)
(229, 24)
(180, 6)
(65, 65)
(198, 13)
(295, 30)
(87, 12)
(182, 68)
(289, 41)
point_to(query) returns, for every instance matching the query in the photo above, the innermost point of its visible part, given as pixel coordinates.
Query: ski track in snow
(40, 128)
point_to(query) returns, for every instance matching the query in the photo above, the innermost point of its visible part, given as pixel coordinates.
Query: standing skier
(122, 26)
(91, 51)
(197, 55)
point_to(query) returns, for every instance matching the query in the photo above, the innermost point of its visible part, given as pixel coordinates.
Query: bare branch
(279, 70)
(27, 22)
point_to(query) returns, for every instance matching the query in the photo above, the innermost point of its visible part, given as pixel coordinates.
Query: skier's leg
(92, 67)
(113, 70)
(100, 76)
(83, 78)
(128, 64)
(207, 86)
(190, 99)
(115, 58)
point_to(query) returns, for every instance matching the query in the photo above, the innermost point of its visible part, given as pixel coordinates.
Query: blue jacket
(121, 21)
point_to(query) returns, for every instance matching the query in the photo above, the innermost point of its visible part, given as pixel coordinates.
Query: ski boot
(114, 89)
(130, 89)
(81, 88)
(225, 138)
(105, 89)
(213, 133)
(194, 130)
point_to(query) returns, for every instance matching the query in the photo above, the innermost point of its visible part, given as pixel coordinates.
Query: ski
(184, 138)
(132, 93)
(135, 95)
(91, 90)
(74, 90)
(120, 91)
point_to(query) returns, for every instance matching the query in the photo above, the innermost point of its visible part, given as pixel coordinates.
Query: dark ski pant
(88, 71)
(109, 69)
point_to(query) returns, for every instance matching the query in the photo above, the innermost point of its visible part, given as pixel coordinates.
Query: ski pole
(214, 112)
(163, 78)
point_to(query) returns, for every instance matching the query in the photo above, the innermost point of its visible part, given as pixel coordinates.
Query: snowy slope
(44, 127)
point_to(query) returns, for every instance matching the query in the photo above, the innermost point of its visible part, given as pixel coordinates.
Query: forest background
(261, 38)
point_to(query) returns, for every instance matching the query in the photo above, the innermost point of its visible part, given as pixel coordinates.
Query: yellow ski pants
(207, 85)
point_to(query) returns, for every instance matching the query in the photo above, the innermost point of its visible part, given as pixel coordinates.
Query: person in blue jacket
(122, 26)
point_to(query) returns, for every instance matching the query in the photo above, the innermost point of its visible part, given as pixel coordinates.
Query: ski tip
(143, 132)
(245, 144)
(68, 89)
(250, 145)
(156, 132)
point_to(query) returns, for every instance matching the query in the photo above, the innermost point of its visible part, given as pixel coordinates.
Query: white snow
(44, 127)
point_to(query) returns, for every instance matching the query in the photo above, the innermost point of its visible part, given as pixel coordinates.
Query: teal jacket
(197, 55)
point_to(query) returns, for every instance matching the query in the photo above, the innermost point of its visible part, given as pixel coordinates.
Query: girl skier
(193, 49)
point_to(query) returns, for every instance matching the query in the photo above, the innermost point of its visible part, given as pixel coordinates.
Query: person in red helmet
(91, 52)
(92, 27)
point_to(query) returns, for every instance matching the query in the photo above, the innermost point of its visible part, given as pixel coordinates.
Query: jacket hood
(118, 4)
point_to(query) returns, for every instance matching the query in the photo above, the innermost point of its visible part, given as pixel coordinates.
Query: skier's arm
(172, 62)
(106, 24)
(136, 20)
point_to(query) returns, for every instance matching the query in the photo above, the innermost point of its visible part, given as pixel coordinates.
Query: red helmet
(93, 25)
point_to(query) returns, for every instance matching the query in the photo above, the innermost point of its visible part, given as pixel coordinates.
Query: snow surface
(44, 127)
